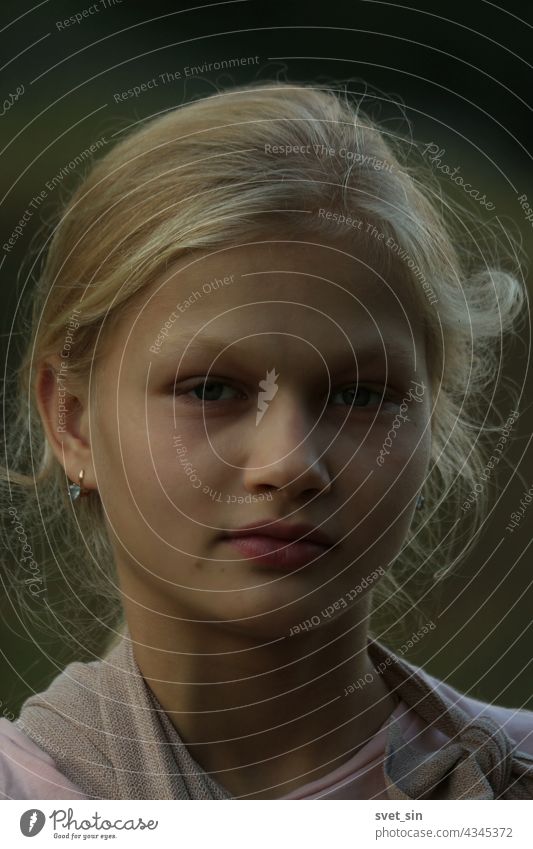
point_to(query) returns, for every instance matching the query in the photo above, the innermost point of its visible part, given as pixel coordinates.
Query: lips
(297, 532)
(280, 545)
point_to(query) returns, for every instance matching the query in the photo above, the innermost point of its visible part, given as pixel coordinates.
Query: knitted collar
(106, 731)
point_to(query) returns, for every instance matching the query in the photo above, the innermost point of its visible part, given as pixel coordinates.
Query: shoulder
(27, 772)
(515, 722)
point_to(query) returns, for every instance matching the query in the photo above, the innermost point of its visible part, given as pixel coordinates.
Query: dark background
(461, 72)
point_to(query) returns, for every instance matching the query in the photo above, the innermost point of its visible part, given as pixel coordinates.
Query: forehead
(275, 290)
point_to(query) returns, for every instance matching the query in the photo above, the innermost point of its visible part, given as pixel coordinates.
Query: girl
(254, 361)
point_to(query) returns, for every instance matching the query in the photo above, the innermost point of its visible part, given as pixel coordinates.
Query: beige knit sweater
(108, 734)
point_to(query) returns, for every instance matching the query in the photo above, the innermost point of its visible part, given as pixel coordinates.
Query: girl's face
(317, 410)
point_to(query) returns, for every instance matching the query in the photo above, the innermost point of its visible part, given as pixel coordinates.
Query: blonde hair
(206, 175)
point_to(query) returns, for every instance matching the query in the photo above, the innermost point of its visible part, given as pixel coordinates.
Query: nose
(287, 451)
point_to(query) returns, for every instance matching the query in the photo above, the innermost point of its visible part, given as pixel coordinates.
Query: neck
(263, 716)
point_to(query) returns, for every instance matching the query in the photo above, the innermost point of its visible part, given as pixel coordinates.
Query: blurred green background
(460, 71)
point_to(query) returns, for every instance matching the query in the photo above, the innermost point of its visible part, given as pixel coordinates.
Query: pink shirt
(26, 772)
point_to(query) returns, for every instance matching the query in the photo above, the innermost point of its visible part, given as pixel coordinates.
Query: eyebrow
(397, 355)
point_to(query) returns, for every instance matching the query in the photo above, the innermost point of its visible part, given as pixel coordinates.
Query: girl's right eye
(208, 388)
(207, 391)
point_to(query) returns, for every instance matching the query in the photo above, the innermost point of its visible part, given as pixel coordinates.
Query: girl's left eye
(213, 391)
(356, 393)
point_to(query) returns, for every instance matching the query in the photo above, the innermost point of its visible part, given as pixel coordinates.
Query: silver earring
(420, 502)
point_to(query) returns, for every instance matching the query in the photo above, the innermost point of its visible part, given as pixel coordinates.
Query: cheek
(196, 458)
(381, 511)
(388, 445)
(386, 474)
(169, 472)
(128, 464)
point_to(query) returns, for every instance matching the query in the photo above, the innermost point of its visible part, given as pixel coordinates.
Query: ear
(65, 416)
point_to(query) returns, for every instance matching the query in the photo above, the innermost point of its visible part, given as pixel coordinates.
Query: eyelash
(215, 382)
